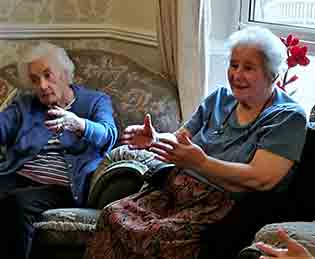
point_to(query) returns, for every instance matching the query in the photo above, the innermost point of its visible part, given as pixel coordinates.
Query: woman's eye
(47, 75)
(34, 79)
(248, 68)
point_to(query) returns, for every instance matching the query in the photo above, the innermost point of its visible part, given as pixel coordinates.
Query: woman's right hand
(139, 136)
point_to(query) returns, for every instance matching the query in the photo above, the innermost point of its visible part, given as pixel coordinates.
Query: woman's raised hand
(294, 249)
(182, 152)
(139, 136)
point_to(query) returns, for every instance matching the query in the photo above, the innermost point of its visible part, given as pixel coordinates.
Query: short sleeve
(284, 134)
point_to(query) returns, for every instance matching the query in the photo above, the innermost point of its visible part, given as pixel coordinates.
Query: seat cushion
(72, 226)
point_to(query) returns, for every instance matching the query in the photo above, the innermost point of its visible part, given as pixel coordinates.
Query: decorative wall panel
(73, 24)
(40, 12)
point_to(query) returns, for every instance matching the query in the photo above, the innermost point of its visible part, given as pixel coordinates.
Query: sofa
(297, 210)
(135, 91)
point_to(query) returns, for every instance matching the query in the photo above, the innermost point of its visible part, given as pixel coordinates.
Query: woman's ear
(65, 77)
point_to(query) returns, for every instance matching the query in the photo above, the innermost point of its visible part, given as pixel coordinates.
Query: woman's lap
(163, 223)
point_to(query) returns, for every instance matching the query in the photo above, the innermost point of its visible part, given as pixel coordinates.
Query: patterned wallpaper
(145, 55)
(41, 12)
(54, 11)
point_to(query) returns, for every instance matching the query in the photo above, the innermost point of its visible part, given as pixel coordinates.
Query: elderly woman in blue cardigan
(55, 136)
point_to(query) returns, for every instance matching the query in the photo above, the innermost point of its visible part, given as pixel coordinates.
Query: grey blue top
(23, 132)
(280, 128)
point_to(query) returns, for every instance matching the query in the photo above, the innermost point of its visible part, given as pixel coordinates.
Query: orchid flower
(296, 56)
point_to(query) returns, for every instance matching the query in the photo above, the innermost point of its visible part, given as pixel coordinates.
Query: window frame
(306, 35)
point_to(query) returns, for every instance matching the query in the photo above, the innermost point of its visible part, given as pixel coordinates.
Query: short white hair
(269, 44)
(55, 56)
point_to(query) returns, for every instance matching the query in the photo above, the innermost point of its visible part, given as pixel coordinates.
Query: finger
(126, 137)
(147, 120)
(163, 146)
(55, 128)
(268, 249)
(55, 112)
(132, 129)
(292, 244)
(58, 108)
(148, 127)
(163, 159)
(135, 146)
(58, 121)
(160, 152)
(168, 142)
(283, 235)
(184, 139)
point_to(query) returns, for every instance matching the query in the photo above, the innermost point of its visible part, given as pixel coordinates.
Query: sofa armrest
(303, 232)
(123, 172)
(115, 180)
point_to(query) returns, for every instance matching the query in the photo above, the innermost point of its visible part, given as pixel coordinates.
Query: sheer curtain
(194, 21)
(191, 35)
(167, 13)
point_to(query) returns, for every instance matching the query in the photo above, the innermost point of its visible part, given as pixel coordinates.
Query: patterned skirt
(162, 224)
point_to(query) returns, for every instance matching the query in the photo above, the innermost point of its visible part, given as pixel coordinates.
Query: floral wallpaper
(67, 12)
(54, 12)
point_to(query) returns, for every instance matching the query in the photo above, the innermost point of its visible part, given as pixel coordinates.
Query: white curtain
(204, 26)
(167, 29)
(194, 27)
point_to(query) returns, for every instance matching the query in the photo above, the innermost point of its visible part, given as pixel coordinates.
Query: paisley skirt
(162, 224)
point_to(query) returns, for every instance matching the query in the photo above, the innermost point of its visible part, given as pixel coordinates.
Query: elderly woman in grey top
(220, 155)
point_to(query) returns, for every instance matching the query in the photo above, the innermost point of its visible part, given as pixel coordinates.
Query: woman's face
(249, 80)
(48, 83)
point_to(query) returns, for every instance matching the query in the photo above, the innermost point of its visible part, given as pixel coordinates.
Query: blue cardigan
(23, 132)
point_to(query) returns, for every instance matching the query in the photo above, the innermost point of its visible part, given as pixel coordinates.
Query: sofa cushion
(69, 226)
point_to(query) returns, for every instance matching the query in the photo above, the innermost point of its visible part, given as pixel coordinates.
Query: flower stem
(285, 77)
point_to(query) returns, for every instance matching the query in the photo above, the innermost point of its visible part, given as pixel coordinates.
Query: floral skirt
(162, 224)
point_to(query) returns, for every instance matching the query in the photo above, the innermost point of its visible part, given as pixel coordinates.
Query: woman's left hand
(64, 120)
(184, 153)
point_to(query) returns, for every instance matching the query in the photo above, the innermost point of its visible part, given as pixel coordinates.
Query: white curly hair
(55, 56)
(269, 44)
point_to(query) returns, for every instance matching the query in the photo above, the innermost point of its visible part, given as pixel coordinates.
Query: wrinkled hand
(183, 153)
(64, 120)
(294, 249)
(139, 136)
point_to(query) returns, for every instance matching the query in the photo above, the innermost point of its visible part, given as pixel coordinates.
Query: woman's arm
(229, 175)
(264, 171)
(279, 144)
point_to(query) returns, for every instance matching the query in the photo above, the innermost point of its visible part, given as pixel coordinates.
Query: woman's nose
(43, 83)
(237, 73)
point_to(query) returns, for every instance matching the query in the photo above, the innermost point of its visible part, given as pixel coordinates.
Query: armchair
(135, 91)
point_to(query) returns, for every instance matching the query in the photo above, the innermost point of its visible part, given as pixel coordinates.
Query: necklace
(223, 125)
(68, 106)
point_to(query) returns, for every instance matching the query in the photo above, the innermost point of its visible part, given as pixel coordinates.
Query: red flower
(290, 41)
(296, 56)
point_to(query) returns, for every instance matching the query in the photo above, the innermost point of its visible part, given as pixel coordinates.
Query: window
(285, 17)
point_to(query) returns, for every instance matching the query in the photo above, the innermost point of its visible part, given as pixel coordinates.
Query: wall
(124, 26)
